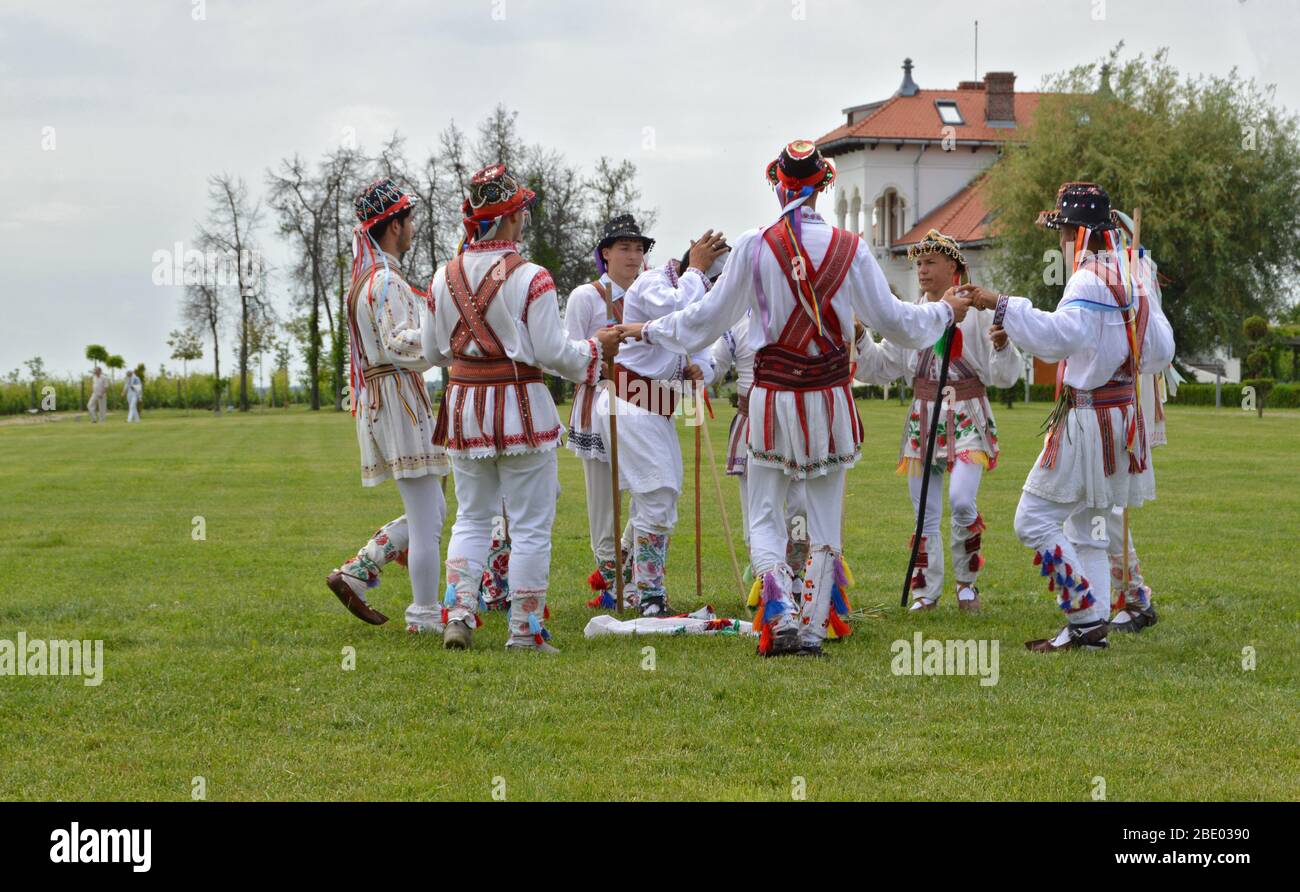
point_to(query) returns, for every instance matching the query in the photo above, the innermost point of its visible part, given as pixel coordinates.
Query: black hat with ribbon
(1080, 205)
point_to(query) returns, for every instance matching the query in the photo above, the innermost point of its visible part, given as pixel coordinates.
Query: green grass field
(223, 658)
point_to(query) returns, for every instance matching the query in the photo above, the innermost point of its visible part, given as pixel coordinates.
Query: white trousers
(600, 508)
(654, 511)
(796, 503)
(530, 487)
(1081, 533)
(426, 509)
(133, 408)
(98, 408)
(769, 497)
(963, 488)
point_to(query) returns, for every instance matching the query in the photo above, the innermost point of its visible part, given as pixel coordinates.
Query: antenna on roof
(977, 49)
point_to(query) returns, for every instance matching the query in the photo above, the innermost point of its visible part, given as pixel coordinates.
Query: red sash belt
(651, 395)
(477, 375)
(472, 370)
(779, 368)
(963, 389)
(376, 395)
(927, 391)
(1111, 395)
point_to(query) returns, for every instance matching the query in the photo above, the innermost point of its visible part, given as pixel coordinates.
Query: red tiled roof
(963, 217)
(915, 117)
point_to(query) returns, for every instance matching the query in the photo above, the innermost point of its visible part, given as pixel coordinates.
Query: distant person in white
(132, 389)
(98, 405)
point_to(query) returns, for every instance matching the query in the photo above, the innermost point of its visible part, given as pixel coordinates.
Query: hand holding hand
(959, 300)
(629, 331)
(609, 338)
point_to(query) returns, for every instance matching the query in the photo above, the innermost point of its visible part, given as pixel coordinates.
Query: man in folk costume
(1107, 331)
(620, 258)
(395, 422)
(733, 350)
(1133, 606)
(650, 380)
(804, 282)
(495, 320)
(967, 437)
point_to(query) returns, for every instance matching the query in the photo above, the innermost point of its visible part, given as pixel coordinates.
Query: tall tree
(1213, 163)
(305, 205)
(612, 190)
(233, 218)
(204, 306)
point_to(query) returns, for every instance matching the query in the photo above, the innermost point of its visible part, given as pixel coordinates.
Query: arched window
(888, 218)
(841, 208)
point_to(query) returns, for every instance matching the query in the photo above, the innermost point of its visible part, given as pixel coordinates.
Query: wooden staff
(699, 544)
(1137, 376)
(726, 523)
(618, 501)
(613, 462)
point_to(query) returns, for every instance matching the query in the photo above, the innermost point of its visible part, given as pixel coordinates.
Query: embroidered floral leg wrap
(967, 552)
(388, 544)
(461, 601)
(528, 615)
(495, 586)
(1060, 564)
(825, 600)
(651, 554)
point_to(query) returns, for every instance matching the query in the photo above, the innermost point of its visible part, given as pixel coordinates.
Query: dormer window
(948, 112)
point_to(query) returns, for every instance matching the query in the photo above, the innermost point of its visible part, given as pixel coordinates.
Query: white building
(914, 161)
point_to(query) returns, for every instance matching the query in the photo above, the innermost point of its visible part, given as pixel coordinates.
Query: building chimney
(1000, 100)
(909, 87)
(970, 85)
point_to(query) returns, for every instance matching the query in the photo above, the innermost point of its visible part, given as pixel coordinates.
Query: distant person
(132, 389)
(98, 405)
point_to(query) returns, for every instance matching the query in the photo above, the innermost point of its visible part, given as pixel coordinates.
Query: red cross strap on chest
(787, 364)
(491, 368)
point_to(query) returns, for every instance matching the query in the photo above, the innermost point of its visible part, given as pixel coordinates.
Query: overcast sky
(146, 98)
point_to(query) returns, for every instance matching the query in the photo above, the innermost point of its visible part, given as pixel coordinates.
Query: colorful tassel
(597, 581)
(838, 627)
(755, 594)
(540, 635)
(449, 599)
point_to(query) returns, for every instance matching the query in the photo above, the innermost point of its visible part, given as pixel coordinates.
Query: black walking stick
(949, 336)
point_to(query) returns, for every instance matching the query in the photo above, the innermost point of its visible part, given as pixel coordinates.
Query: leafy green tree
(95, 353)
(1213, 163)
(187, 346)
